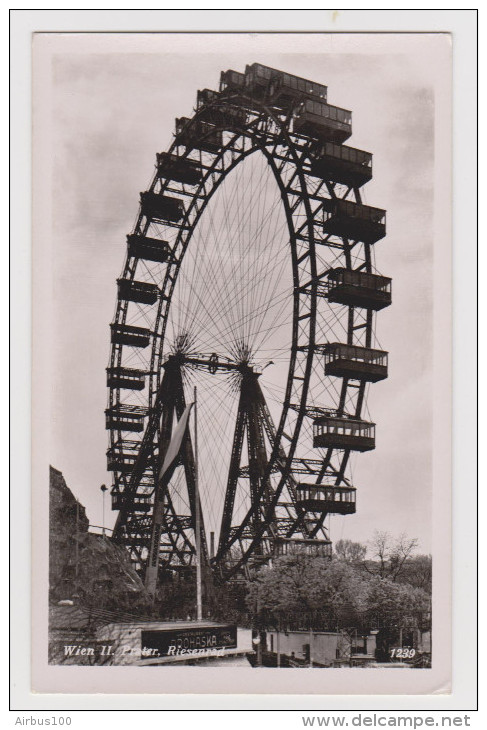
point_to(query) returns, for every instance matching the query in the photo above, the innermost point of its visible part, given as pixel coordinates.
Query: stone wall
(82, 564)
(67, 524)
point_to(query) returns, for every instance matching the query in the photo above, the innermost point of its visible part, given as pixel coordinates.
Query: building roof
(166, 625)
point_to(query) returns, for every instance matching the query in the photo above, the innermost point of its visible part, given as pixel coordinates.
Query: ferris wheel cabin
(140, 503)
(161, 207)
(199, 135)
(180, 169)
(280, 88)
(293, 545)
(151, 249)
(354, 220)
(126, 334)
(358, 288)
(229, 118)
(137, 291)
(323, 121)
(122, 456)
(206, 96)
(232, 81)
(342, 164)
(329, 499)
(124, 417)
(129, 378)
(351, 361)
(335, 432)
(286, 89)
(257, 79)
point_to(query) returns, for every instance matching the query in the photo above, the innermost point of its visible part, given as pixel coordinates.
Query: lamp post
(103, 489)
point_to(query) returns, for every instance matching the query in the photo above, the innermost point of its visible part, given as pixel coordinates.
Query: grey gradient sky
(111, 109)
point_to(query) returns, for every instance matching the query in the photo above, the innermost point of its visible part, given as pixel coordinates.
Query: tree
(397, 610)
(300, 584)
(385, 598)
(352, 553)
(389, 556)
(417, 571)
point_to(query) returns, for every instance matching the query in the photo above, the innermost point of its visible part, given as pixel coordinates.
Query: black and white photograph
(242, 302)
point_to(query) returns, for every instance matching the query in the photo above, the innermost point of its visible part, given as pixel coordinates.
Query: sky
(111, 107)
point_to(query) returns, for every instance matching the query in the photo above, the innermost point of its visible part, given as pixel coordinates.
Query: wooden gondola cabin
(257, 79)
(292, 545)
(355, 221)
(279, 88)
(324, 122)
(286, 89)
(137, 291)
(161, 208)
(224, 116)
(126, 417)
(358, 288)
(122, 456)
(231, 80)
(140, 503)
(198, 134)
(351, 361)
(129, 378)
(342, 164)
(179, 169)
(337, 432)
(126, 334)
(150, 249)
(328, 499)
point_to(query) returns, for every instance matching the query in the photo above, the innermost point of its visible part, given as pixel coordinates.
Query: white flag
(176, 440)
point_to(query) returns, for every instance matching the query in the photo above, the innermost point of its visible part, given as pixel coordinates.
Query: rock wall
(83, 565)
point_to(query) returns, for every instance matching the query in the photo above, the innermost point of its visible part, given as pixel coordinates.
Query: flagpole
(170, 452)
(199, 610)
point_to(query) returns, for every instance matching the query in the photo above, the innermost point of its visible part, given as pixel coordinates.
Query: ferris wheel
(249, 274)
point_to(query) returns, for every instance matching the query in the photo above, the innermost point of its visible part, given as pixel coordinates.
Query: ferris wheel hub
(212, 363)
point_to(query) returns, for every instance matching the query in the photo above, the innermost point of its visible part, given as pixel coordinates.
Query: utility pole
(199, 606)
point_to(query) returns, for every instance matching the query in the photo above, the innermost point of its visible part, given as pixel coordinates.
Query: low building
(323, 648)
(175, 642)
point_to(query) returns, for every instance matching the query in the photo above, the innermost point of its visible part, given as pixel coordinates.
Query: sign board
(194, 641)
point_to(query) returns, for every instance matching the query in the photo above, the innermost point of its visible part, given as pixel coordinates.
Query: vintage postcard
(241, 444)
